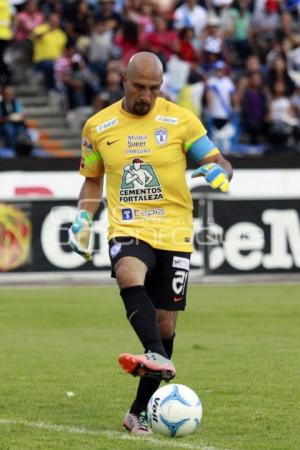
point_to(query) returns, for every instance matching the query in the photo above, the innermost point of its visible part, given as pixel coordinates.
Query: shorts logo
(115, 249)
(139, 183)
(127, 214)
(181, 263)
(161, 135)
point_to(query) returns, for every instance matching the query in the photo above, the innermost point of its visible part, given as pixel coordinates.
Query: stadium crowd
(235, 64)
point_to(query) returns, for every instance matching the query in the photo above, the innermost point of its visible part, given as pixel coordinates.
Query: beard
(141, 109)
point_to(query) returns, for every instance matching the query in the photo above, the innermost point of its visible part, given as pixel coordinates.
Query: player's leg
(135, 420)
(147, 386)
(131, 260)
(167, 288)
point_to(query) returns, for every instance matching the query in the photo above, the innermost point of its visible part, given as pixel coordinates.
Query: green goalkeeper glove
(79, 234)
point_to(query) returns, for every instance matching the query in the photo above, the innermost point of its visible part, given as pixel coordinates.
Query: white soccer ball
(174, 410)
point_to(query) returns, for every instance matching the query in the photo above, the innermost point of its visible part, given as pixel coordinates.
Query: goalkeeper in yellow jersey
(140, 143)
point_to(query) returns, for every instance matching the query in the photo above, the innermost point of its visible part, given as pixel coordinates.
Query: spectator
(278, 49)
(291, 23)
(49, 7)
(211, 43)
(252, 65)
(70, 80)
(112, 92)
(162, 41)
(190, 14)
(27, 20)
(265, 25)
(191, 96)
(25, 23)
(240, 17)
(79, 20)
(100, 48)
(107, 14)
(284, 124)
(6, 35)
(295, 101)
(49, 43)
(221, 105)
(141, 12)
(127, 39)
(255, 108)
(293, 63)
(188, 51)
(278, 72)
(13, 130)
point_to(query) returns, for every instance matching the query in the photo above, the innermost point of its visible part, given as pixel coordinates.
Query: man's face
(141, 92)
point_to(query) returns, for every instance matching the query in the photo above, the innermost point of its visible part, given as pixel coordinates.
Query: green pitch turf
(61, 387)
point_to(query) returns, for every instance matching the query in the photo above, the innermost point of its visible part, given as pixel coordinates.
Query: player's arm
(91, 194)
(92, 168)
(80, 231)
(212, 165)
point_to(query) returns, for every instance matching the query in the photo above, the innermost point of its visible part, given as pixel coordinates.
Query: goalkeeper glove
(215, 175)
(79, 234)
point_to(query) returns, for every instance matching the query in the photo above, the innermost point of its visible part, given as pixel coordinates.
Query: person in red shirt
(162, 41)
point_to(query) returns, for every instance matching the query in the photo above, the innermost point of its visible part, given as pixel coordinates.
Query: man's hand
(215, 175)
(79, 234)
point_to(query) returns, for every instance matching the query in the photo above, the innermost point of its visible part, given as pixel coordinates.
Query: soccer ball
(174, 410)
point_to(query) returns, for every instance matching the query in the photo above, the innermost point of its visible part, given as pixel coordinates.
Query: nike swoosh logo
(112, 142)
(177, 299)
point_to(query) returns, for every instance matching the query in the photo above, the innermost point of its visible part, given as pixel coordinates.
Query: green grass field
(237, 346)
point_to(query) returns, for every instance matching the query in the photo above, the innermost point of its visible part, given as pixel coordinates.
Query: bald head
(145, 63)
(142, 82)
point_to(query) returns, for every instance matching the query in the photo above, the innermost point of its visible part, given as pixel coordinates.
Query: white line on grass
(112, 435)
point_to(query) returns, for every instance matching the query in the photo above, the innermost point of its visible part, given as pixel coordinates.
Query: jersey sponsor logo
(137, 151)
(139, 183)
(115, 249)
(166, 119)
(86, 145)
(136, 214)
(181, 263)
(161, 135)
(127, 214)
(108, 124)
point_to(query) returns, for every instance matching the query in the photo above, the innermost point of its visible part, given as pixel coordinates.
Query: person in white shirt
(221, 100)
(190, 15)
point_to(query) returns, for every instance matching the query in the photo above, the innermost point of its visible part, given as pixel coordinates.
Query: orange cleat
(151, 365)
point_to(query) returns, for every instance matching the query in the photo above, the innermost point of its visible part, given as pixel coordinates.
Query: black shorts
(167, 276)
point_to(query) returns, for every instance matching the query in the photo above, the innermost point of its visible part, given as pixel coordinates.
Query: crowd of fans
(236, 64)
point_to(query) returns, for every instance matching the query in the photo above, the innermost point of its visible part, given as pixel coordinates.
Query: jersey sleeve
(91, 163)
(194, 130)
(196, 142)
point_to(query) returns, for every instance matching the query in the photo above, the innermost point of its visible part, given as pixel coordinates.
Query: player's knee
(127, 275)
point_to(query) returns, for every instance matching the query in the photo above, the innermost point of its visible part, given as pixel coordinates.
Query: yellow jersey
(48, 44)
(144, 159)
(6, 14)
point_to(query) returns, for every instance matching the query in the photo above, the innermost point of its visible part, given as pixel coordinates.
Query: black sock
(142, 317)
(147, 386)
